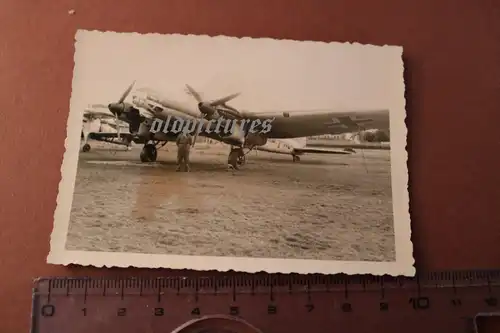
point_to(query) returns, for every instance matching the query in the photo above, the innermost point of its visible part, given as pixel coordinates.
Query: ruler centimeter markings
(433, 302)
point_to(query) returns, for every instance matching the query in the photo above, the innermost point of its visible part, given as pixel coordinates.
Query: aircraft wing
(297, 123)
(313, 150)
(344, 145)
(97, 115)
(103, 136)
(293, 124)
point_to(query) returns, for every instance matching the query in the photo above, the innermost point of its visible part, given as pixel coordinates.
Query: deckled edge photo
(404, 264)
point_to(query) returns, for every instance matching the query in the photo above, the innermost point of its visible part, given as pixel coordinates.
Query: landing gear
(296, 158)
(149, 153)
(236, 158)
(85, 137)
(242, 160)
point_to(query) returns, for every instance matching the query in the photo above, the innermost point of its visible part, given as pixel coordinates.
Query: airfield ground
(329, 207)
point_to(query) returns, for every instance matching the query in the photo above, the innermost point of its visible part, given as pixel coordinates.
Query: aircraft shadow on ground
(201, 162)
(303, 161)
(169, 166)
(251, 162)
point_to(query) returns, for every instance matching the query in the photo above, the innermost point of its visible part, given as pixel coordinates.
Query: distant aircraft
(297, 147)
(103, 126)
(346, 144)
(147, 105)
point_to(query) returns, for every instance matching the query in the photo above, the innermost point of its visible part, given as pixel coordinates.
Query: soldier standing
(184, 142)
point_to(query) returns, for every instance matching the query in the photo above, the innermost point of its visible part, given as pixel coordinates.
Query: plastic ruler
(462, 301)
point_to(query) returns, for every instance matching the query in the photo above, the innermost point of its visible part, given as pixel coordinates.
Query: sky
(269, 74)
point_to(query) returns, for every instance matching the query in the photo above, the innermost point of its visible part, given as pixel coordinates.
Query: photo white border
(402, 266)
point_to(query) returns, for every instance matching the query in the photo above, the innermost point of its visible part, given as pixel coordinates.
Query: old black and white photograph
(225, 153)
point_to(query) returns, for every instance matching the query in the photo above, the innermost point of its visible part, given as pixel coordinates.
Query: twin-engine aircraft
(291, 127)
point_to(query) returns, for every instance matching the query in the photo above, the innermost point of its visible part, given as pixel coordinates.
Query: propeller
(210, 108)
(118, 129)
(199, 99)
(202, 116)
(119, 107)
(117, 125)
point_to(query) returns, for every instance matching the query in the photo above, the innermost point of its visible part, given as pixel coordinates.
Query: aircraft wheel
(233, 158)
(149, 153)
(296, 158)
(86, 148)
(242, 160)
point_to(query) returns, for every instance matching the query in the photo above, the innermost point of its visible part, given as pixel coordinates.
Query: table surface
(451, 50)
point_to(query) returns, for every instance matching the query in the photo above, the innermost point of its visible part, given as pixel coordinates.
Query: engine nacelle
(144, 128)
(209, 111)
(134, 118)
(255, 139)
(236, 137)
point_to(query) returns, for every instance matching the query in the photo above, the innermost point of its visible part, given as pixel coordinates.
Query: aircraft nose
(204, 108)
(115, 108)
